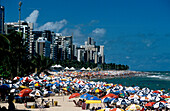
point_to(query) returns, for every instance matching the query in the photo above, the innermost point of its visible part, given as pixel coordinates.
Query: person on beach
(11, 106)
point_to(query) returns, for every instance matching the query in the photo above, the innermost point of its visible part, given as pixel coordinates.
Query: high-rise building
(43, 47)
(26, 28)
(92, 53)
(1, 19)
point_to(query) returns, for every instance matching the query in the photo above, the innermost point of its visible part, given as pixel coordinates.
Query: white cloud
(76, 32)
(98, 32)
(33, 17)
(53, 26)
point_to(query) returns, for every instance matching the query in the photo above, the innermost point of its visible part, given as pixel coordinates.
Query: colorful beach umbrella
(74, 95)
(110, 95)
(85, 96)
(36, 93)
(123, 102)
(133, 107)
(38, 85)
(116, 109)
(93, 99)
(24, 92)
(150, 104)
(107, 100)
(159, 105)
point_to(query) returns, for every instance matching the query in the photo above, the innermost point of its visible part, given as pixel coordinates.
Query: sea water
(153, 80)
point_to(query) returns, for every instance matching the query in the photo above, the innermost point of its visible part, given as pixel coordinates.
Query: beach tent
(72, 68)
(88, 69)
(66, 68)
(59, 66)
(82, 69)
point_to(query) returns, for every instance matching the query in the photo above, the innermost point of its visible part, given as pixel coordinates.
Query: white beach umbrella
(134, 101)
(159, 105)
(36, 93)
(123, 102)
(146, 90)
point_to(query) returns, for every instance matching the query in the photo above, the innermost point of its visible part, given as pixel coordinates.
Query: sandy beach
(64, 104)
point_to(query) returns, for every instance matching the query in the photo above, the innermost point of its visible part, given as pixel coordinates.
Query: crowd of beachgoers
(84, 93)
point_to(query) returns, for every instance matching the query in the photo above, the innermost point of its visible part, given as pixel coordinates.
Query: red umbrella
(150, 104)
(164, 96)
(156, 91)
(110, 95)
(116, 109)
(24, 92)
(74, 95)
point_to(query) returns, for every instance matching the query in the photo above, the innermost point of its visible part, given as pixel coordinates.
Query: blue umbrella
(47, 85)
(93, 98)
(85, 96)
(4, 86)
(107, 100)
(57, 84)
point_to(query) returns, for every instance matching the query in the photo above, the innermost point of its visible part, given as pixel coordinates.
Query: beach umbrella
(134, 96)
(36, 93)
(149, 104)
(123, 102)
(107, 100)
(93, 98)
(38, 85)
(159, 105)
(4, 86)
(48, 93)
(85, 96)
(146, 90)
(23, 87)
(74, 95)
(157, 98)
(96, 90)
(84, 90)
(116, 109)
(133, 107)
(24, 92)
(156, 91)
(110, 95)
(144, 99)
(167, 105)
(115, 100)
(140, 93)
(16, 78)
(92, 101)
(134, 101)
(123, 94)
(14, 91)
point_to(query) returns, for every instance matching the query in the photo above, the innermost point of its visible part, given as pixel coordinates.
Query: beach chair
(76, 103)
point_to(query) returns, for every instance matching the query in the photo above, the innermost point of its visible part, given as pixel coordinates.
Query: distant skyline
(133, 32)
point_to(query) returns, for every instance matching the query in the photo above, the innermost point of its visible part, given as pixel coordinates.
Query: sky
(133, 32)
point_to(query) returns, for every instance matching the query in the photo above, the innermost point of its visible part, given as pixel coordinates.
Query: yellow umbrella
(52, 82)
(65, 89)
(23, 87)
(101, 110)
(92, 101)
(133, 107)
(63, 79)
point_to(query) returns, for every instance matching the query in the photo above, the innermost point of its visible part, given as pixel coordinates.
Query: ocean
(154, 80)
